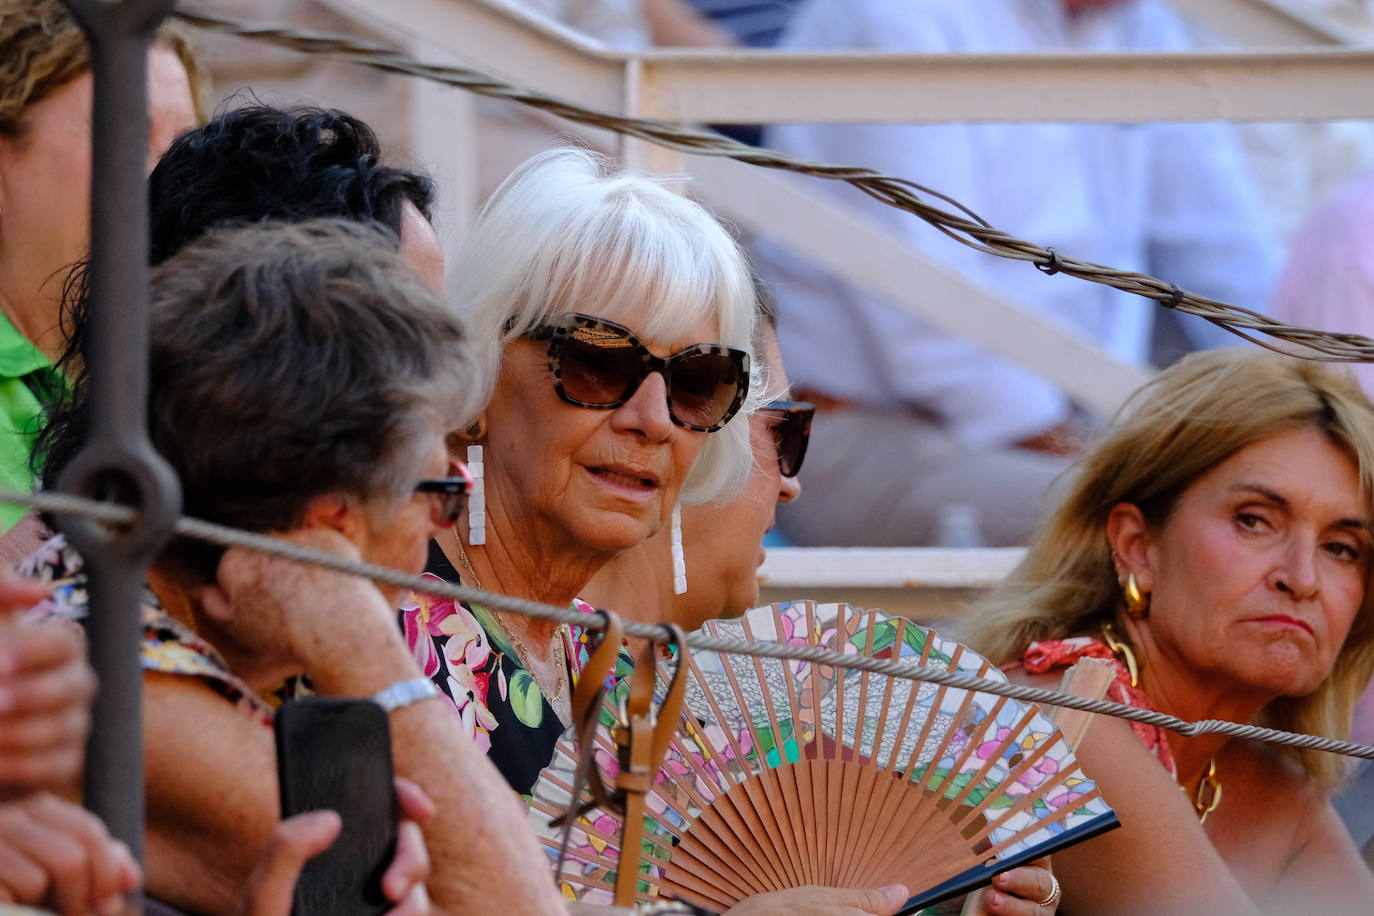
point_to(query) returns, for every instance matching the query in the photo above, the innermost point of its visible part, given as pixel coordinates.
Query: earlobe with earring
(1137, 603)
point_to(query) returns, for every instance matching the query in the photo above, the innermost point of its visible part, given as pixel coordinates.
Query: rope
(964, 226)
(120, 516)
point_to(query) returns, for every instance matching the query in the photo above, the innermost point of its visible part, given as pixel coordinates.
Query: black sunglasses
(792, 430)
(448, 495)
(601, 364)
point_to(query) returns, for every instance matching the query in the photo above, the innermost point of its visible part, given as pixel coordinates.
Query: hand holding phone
(299, 839)
(335, 754)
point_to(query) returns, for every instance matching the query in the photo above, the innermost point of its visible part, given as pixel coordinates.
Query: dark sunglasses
(792, 430)
(601, 364)
(447, 495)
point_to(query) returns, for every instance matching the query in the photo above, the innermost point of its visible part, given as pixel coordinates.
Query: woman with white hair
(618, 321)
(616, 318)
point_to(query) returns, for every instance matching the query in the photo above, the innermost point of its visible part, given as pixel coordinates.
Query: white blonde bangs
(562, 234)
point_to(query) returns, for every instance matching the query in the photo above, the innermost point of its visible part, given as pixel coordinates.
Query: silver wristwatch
(403, 693)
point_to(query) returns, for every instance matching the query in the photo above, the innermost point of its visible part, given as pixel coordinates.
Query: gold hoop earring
(1137, 603)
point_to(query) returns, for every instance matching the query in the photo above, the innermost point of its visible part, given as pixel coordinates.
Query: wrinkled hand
(57, 855)
(297, 840)
(45, 695)
(295, 608)
(1015, 892)
(824, 901)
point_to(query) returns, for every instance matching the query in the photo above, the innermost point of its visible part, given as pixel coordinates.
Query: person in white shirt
(922, 421)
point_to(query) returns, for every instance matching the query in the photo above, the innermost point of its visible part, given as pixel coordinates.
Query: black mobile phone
(336, 754)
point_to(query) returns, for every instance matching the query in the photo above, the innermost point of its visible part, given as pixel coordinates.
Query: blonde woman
(1216, 544)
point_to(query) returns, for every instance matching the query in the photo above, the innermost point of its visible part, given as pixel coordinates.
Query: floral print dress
(168, 646)
(465, 652)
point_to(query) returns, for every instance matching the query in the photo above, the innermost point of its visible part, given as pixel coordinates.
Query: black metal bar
(118, 461)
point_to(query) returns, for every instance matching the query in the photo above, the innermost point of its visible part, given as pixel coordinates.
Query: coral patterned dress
(1054, 654)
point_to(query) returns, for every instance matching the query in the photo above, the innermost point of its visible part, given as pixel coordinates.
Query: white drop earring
(679, 558)
(477, 498)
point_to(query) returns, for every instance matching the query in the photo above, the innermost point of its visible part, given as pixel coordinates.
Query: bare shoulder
(1317, 867)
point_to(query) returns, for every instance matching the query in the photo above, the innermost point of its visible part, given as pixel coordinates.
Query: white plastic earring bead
(477, 500)
(679, 558)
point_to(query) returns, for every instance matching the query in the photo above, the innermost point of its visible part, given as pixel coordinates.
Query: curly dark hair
(257, 163)
(246, 165)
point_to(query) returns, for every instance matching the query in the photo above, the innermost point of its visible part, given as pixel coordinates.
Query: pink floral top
(465, 652)
(1054, 654)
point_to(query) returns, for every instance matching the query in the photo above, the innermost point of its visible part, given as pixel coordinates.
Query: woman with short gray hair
(616, 320)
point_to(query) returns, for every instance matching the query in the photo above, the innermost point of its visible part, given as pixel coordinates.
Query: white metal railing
(1318, 76)
(751, 86)
(887, 567)
(763, 86)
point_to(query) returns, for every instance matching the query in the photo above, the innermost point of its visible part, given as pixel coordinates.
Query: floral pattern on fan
(787, 773)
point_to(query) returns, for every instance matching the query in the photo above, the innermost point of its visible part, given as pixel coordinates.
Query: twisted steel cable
(958, 222)
(117, 516)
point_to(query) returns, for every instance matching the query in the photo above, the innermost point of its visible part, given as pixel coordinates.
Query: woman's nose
(646, 412)
(1297, 574)
(789, 488)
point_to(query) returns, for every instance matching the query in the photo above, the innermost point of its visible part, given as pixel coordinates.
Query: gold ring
(1053, 898)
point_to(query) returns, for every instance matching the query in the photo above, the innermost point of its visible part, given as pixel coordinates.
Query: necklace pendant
(1208, 795)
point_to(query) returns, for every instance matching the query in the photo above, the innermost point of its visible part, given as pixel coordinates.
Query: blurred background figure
(940, 431)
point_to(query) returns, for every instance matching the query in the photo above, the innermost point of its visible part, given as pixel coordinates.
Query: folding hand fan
(785, 774)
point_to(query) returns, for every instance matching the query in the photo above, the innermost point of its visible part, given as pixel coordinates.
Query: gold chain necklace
(559, 658)
(1207, 796)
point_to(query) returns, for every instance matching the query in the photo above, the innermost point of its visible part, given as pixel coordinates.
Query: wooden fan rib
(1014, 775)
(1059, 815)
(886, 811)
(913, 697)
(865, 677)
(684, 752)
(721, 722)
(847, 838)
(780, 815)
(699, 893)
(936, 703)
(698, 860)
(733, 816)
(1014, 736)
(1025, 802)
(973, 739)
(880, 732)
(555, 812)
(761, 808)
(863, 786)
(797, 785)
(821, 838)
